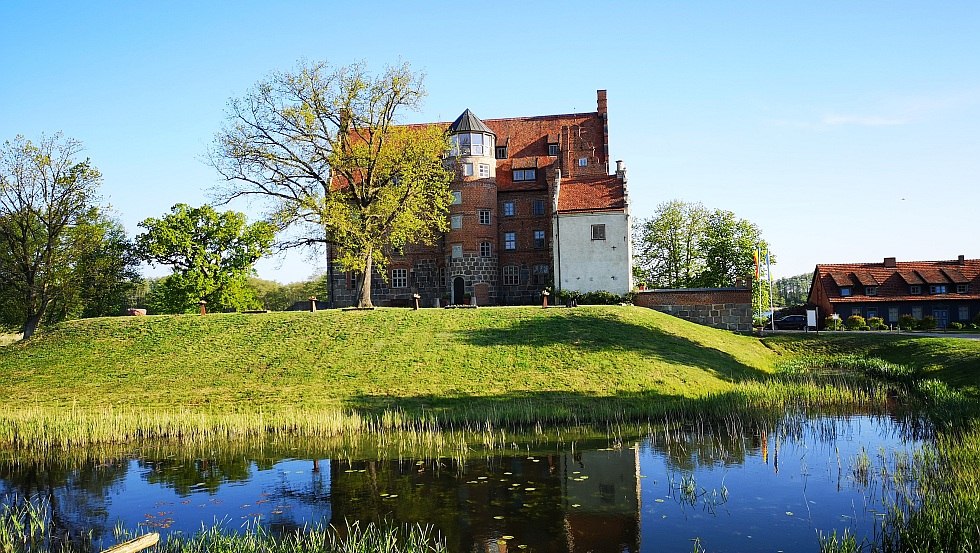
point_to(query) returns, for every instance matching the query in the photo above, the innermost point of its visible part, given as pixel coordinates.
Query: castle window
(538, 207)
(510, 240)
(484, 170)
(937, 289)
(845, 291)
(509, 209)
(512, 275)
(525, 174)
(553, 149)
(457, 197)
(540, 274)
(467, 169)
(501, 152)
(456, 221)
(457, 251)
(962, 288)
(871, 290)
(485, 249)
(598, 232)
(539, 240)
(917, 313)
(399, 278)
(484, 216)
(964, 313)
(915, 289)
(583, 161)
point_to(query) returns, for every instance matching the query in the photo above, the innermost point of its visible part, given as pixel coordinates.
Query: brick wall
(725, 308)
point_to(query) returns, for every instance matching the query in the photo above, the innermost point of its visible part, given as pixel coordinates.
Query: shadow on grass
(594, 332)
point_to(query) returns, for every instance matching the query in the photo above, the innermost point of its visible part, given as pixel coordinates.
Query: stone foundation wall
(725, 308)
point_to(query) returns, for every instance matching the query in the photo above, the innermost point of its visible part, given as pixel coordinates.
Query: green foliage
(855, 322)
(340, 171)
(598, 297)
(955, 326)
(274, 296)
(46, 206)
(211, 254)
(833, 323)
(927, 323)
(792, 290)
(877, 323)
(685, 245)
(907, 322)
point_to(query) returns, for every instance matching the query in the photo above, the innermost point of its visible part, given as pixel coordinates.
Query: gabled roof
(468, 122)
(954, 275)
(910, 277)
(841, 279)
(865, 278)
(894, 279)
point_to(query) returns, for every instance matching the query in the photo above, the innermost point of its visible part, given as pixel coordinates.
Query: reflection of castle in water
(564, 501)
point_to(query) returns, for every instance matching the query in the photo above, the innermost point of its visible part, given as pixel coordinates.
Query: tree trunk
(32, 323)
(365, 299)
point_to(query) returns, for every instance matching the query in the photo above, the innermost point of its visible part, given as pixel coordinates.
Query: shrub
(600, 297)
(974, 326)
(955, 326)
(877, 323)
(927, 323)
(976, 320)
(832, 323)
(907, 322)
(855, 322)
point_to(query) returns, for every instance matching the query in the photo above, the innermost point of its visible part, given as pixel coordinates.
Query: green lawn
(355, 358)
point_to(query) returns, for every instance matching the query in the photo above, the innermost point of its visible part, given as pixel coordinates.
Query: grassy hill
(329, 359)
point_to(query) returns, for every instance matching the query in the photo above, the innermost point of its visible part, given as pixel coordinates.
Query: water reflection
(733, 488)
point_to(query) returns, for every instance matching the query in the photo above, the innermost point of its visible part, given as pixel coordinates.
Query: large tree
(211, 254)
(45, 194)
(668, 245)
(321, 146)
(685, 245)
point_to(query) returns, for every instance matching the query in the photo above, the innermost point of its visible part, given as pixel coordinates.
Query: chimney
(604, 116)
(890, 262)
(620, 170)
(961, 259)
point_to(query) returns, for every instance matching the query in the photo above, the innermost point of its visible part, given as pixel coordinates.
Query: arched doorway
(458, 290)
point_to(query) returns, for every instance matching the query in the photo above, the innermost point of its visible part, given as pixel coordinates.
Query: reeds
(25, 527)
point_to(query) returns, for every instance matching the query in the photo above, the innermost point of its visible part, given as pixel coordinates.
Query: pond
(730, 487)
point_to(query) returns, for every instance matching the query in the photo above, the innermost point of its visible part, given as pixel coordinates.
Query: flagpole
(772, 311)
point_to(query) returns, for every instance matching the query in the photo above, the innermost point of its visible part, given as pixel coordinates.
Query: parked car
(791, 322)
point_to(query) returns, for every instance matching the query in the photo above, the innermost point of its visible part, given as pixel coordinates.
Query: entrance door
(942, 317)
(458, 287)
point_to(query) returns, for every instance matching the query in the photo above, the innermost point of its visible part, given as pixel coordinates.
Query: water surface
(731, 488)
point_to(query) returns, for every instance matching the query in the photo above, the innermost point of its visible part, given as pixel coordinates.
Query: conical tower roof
(469, 122)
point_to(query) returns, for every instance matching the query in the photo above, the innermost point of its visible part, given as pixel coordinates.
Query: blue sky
(848, 131)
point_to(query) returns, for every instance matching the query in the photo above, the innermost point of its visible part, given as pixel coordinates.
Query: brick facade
(500, 241)
(725, 308)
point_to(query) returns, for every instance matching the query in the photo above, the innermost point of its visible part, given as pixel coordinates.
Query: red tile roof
(596, 194)
(894, 283)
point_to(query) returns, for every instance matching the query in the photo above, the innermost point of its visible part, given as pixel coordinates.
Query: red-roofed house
(535, 208)
(948, 291)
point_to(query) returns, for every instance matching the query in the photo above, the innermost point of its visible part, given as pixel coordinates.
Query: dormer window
(525, 174)
(501, 152)
(871, 290)
(937, 289)
(845, 291)
(962, 288)
(915, 289)
(553, 149)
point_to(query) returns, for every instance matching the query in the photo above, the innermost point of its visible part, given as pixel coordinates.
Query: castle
(535, 207)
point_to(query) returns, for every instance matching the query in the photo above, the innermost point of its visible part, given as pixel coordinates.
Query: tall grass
(26, 527)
